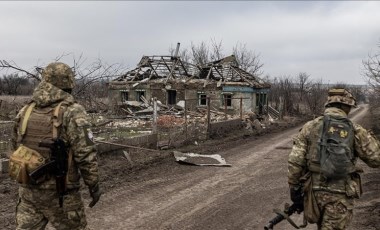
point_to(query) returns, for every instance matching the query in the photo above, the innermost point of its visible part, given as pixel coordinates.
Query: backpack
(336, 148)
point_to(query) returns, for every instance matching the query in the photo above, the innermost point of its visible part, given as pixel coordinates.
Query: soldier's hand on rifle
(95, 195)
(296, 195)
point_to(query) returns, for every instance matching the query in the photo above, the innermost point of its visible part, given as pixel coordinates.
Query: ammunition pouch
(311, 210)
(23, 161)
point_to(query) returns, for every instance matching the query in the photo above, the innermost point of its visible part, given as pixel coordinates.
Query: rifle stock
(42, 170)
(282, 215)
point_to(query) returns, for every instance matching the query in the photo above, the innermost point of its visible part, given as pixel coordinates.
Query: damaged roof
(156, 67)
(225, 70)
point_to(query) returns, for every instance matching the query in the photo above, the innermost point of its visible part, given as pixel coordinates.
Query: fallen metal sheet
(200, 159)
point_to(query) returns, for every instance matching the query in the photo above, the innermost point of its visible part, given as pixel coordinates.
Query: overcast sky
(327, 40)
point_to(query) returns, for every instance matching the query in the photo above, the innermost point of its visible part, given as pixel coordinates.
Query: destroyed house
(173, 82)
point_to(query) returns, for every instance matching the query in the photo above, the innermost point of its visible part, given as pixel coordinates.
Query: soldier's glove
(95, 195)
(296, 195)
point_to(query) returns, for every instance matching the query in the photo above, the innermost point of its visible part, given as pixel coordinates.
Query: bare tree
(301, 86)
(287, 89)
(91, 79)
(282, 96)
(11, 65)
(303, 80)
(274, 96)
(12, 83)
(217, 50)
(316, 97)
(372, 70)
(248, 60)
(359, 92)
(289, 95)
(203, 53)
(200, 53)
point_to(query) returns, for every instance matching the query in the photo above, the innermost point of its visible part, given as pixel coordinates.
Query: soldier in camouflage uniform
(38, 203)
(334, 198)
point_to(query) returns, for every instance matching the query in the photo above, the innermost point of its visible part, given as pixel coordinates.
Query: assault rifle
(285, 214)
(57, 165)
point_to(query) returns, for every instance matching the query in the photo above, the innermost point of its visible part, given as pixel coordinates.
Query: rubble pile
(173, 122)
(169, 121)
(171, 117)
(144, 110)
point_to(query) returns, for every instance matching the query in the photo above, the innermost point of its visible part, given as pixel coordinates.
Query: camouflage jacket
(366, 147)
(75, 133)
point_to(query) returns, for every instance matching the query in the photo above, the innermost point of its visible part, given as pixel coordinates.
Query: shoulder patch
(88, 135)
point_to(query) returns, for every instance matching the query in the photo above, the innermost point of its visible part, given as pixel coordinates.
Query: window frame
(229, 100)
(140, 92)
(122, 95)
(202, 96)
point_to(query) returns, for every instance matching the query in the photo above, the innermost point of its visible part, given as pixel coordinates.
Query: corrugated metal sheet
(245, 89)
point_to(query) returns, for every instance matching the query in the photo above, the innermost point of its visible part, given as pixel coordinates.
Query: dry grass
(14, 99)
(9, 105)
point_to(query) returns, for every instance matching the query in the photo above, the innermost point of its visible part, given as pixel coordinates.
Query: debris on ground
(200, 159)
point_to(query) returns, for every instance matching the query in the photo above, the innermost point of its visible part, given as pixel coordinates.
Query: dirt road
(163, 194)
(174, 196)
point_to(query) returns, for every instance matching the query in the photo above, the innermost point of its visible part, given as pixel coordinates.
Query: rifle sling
(26, 118)
(57, 122)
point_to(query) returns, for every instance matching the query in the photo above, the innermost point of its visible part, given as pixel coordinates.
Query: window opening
(227, 100)
(172, 97)
(202, 99)
(139, 94)
(124, 96)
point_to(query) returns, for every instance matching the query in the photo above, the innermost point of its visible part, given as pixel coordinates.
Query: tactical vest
(331, 153)
(40, 124)
(36, 125)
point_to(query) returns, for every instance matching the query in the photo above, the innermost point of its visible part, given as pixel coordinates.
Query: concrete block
(4, 165)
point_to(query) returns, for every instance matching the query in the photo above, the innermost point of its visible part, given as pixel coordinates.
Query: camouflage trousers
(336, 210)
(37, 207)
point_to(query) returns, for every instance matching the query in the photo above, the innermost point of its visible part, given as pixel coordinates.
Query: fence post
(281, 110)
(185, 119)
(208, 116)
(154, 115)
(225, 108)
(241, 107)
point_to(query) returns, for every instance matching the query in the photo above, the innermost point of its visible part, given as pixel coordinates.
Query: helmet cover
(59, 74)
(340, 95)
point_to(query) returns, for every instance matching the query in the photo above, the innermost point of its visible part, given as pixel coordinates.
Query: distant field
(14, 99)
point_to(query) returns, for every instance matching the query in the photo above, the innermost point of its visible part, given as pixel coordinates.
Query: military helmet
(59, 74)
(340, 95)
